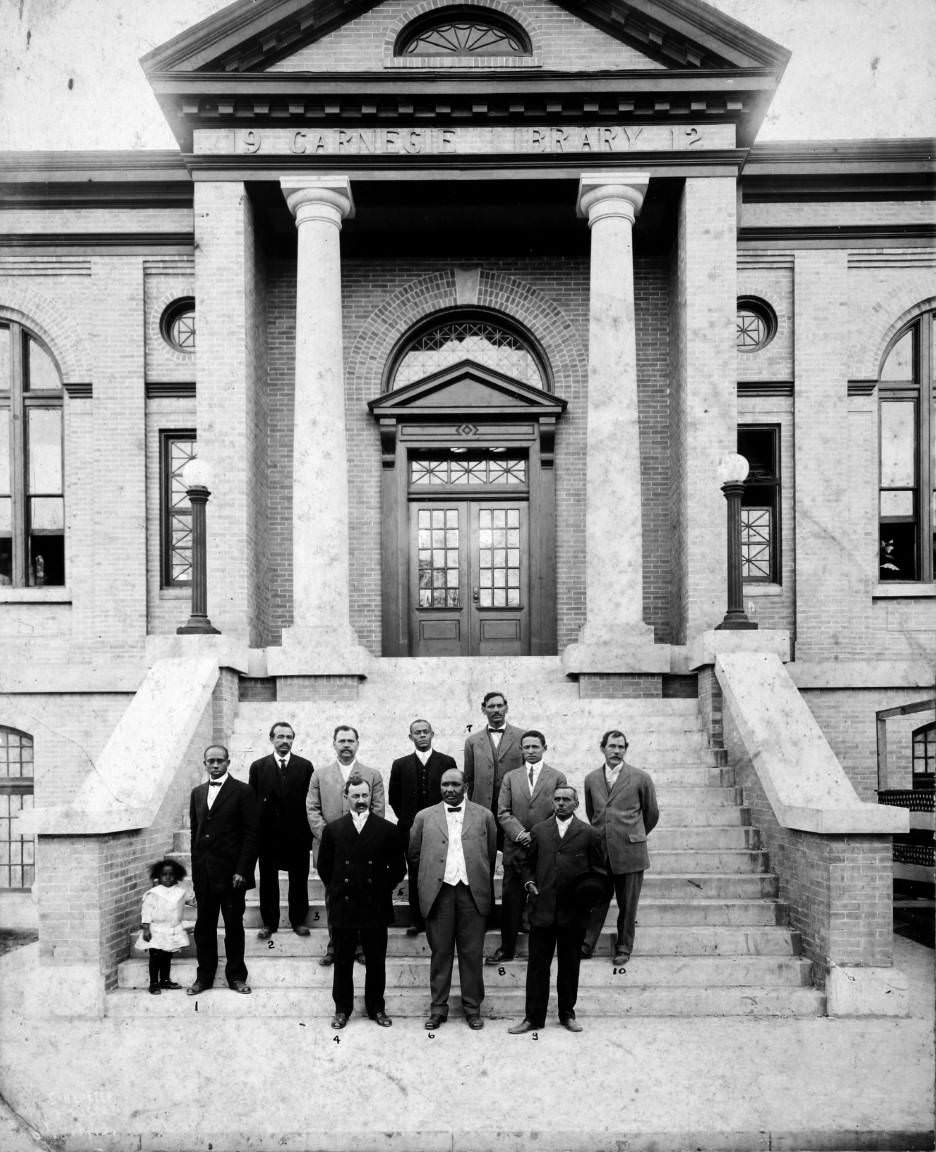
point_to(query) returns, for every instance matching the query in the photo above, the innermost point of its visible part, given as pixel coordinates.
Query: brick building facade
(489, 210)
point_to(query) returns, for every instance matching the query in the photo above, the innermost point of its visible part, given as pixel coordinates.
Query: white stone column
(321, 638)
(614, 637)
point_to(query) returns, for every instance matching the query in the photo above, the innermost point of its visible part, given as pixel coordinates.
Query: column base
(309, 651)
(616, 649)
(717, 641)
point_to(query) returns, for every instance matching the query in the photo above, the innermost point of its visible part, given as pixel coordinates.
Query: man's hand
(240, 881)
(531, 888)
(524, 838)
(147, 935)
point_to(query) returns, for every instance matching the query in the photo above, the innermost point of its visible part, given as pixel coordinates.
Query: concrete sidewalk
(228, 1085)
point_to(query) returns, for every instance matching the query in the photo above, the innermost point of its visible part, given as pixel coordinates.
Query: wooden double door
(469, 576)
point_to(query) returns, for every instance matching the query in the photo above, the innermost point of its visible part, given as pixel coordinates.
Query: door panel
(469, 578)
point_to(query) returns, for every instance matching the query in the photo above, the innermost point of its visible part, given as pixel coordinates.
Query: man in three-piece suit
(360, 861)
(281, 785)
(526, 798)
(621, 803)
(414, 785)
(563, 851)
(223, 820)
(490, 753)
(327, 802)
(453, 847)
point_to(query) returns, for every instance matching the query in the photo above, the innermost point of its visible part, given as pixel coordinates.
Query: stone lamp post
(196, 476)
(732, 472)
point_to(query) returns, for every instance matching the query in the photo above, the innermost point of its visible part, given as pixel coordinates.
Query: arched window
(907, 401)
(32, 494)
(463, 32)
(17, 853)
(924, 756)
(467, 335)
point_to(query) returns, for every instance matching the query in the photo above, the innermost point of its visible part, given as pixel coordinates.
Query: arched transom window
(463, 32)
(483, 341)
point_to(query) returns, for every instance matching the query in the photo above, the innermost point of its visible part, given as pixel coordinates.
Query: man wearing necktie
(563, 852)
(360, 861)
(621, 803)
(281, 784)
(223, 822)
(452, 850)
(525, 798)
(491, 752)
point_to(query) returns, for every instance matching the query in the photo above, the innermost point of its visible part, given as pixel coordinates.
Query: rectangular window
(759, 444)
(17, 853)
(175, 511)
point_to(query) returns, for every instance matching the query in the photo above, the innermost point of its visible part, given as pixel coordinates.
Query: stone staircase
(712, 938)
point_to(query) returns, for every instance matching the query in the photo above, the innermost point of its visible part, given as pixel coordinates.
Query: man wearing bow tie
(490, 753)
(526, 798)
(620, 801)
(281, 784)
(453, 847)
(223, 822)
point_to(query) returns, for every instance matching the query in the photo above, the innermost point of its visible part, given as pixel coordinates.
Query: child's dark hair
(177, 868)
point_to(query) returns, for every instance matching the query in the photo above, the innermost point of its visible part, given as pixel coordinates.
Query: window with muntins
(907, 456)
(176, 450)
(32, 491)
(467, 337)
(924, 756)
(760, 503)
(463, 32)
(17, 853)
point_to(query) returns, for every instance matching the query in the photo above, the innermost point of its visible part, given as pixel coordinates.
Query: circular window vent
(177, 324)
(757, 324)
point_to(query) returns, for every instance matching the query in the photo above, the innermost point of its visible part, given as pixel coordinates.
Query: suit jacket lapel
(442, 820)
(507, 740)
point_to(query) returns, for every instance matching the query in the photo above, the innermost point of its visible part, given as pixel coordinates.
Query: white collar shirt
(456, 871)
(496, 735)
(346, 772)
(360, 819)
(536, 768)
(564, 826)
(215, 787)
(611, 775)
(423, 757)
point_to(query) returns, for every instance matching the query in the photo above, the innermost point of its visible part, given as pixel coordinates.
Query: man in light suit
(361, 861)
(453, 847)
(526, 798)
(620, 801)
(327, 802)
(281, 785)
(490, 753)
(223, 822)
(563, 852)
(414, 785)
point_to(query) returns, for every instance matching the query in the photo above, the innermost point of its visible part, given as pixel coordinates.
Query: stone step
(315, 1006)
(718, 815)
(655, 940)
(268, 971)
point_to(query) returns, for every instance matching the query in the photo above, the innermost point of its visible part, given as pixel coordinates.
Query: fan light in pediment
(459, 33)
(479, 341)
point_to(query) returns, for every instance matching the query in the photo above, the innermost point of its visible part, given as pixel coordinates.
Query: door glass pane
(898, 426)
(5, 368)
(44, 450)
(499, 558)
(899, 363)
(5, 452)
(437, 553)
(41, 373)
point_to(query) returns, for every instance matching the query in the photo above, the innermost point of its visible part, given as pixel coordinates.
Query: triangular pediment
(464, 388)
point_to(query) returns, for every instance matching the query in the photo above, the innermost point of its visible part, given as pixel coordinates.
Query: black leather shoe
(264, 933)
(196, 988)
(155, 990)
(359, 958)
(301, 930)
(571, 1024)
(621, 957)
(327, 960)
(434, 1022)
(169, 984)
(382, 1019)
(498, 956)
(475, 1023)
(413, 930)
(240, 986)
(585, 952)
(339, 1020)
(522, 1027)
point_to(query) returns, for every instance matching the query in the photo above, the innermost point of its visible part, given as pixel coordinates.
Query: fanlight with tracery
(464, 38)
(485, 343)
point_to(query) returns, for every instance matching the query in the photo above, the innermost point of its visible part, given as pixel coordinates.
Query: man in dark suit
(526, 798)
(453, 847)
(223, 821)
(281, 784)
(490, 753)
(414, 785)
(620, 801)
(360, 861)
(562, 852)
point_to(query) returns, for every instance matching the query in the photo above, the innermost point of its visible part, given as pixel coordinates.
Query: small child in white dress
(161, 916)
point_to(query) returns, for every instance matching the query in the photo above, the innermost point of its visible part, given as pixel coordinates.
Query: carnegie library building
(420, 368)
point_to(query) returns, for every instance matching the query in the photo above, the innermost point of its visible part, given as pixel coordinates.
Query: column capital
(604, 194)
(318, 198)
